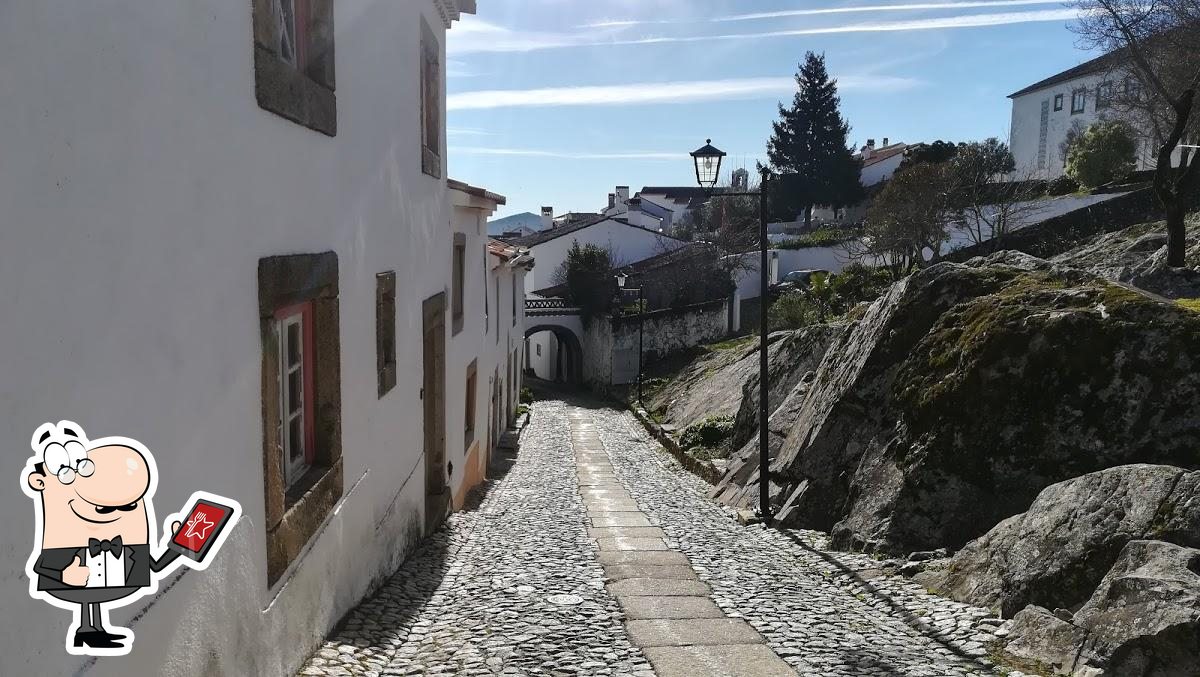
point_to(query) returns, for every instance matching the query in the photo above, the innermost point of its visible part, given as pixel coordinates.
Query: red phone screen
(200, 526)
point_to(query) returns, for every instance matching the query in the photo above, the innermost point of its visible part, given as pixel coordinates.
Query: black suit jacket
(137, 558)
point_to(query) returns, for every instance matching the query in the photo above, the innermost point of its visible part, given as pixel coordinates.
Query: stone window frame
(1105, 93)
(385, 331)
(431, 102)
(458, 278)
(472, 387)
(294, 514)
(302, 88)
(1058, 102)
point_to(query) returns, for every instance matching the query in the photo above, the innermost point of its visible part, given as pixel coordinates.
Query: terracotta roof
(880, 154)
(1097, 65)
(477, 192)
(503, 250)
(546, 235)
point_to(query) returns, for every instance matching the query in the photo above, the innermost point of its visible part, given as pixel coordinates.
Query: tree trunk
(1176, 231)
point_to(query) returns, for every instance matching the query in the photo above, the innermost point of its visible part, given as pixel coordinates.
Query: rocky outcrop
(1142, 621)
(1138, 256)
(968, 388)
(1055, 554)
(725, 381)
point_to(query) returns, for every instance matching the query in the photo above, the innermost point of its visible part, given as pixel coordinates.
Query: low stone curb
(702, 469)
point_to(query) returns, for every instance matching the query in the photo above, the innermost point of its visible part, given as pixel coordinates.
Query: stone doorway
(437, 491)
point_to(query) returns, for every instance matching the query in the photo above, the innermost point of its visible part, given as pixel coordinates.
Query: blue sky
(555, 102)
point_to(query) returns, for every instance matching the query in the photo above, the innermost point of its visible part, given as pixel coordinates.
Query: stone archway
(570, 350)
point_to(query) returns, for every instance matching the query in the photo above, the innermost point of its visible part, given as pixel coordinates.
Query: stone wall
(610, 347)
(1056, 235)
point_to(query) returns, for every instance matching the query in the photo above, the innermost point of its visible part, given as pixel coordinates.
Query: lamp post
(707, 159)
(621, 279)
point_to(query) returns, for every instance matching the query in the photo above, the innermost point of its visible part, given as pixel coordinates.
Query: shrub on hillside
(709, 433)
(1063, 185)
(1104, 153)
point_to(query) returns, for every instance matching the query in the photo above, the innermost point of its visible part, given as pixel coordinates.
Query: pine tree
(808, 147)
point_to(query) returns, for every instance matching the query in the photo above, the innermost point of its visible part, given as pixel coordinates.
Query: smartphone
(202, 528)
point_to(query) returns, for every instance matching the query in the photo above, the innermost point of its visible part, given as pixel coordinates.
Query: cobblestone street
(597, 554)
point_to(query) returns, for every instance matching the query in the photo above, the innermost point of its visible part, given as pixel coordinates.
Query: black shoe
(97, 640)
(111, 636)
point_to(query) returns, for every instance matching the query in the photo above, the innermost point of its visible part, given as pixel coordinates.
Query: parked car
(798, 279)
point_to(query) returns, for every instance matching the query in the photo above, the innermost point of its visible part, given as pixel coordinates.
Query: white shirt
(107, 570)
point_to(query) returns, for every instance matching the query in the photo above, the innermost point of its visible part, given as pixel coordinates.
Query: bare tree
(988, 200)
(1157, 43)
(906, 224)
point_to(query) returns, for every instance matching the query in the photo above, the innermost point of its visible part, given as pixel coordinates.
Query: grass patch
(1189, 304)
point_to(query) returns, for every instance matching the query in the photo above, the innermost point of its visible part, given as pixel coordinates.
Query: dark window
(1133, 89)
(1058, 102)
(1104, 95)
(431, 103)
(1078, 101)
(458, 280)
(301, 400)
(293, 61)
(385, 330)
(514, 299)
(469, 434)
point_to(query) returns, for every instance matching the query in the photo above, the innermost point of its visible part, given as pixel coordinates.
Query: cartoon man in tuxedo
(95, 526)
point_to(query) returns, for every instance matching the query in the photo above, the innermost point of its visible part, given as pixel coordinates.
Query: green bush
(792, 310)
(1063, 185)
(825, 237)
(709, 433)
(857, 283)
(526, 396)
(1104, 153)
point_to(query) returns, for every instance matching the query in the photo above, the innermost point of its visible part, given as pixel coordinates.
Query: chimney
(547, 218)
(885, 142)
(622, 194)
(612, 200)
(871, 144)
(635, 205)
(865, 153)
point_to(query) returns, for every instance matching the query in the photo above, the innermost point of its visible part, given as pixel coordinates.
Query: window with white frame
(295, 334)
(1078, 101)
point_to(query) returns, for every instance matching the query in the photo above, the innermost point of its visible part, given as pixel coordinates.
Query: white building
(878, 165)
(182, 184)
(1044, 112)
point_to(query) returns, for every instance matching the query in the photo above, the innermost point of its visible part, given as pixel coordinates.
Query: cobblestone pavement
(479, 597)
(514, 586)
(824, 612)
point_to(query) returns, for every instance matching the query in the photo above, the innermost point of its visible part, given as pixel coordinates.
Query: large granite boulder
(1142, 621)
(1056, 553)
(1138, 256)
(968, 388)
(717, 384)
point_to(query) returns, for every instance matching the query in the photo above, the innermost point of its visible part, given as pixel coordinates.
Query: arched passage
(569, 359)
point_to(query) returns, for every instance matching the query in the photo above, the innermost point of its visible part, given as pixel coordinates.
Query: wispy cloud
(503, 40)
(467, 131)
(660, 92)
(566, 155)
(852, 9)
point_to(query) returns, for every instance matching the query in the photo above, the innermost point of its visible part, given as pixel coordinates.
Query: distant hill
(523, 221)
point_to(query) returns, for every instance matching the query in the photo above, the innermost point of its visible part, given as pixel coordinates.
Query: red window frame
(307, 365)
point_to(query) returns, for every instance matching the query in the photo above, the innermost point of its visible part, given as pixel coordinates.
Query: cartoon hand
(76, 575)
(175, 527)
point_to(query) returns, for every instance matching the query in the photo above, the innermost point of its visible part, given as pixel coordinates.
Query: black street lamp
(708, 169)
(621, 279)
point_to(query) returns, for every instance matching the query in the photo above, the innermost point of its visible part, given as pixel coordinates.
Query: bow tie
(95, 547)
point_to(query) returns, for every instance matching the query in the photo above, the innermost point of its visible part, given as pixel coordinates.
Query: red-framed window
(294, 326)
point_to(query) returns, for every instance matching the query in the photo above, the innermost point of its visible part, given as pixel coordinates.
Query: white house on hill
(1044, 112)
(878, 165)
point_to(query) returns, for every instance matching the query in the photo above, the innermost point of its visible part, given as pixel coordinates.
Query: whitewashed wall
(141, 183)
(1025, 134)
(627, 243)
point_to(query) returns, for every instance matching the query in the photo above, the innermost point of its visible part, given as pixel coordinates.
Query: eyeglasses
(68, 461)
